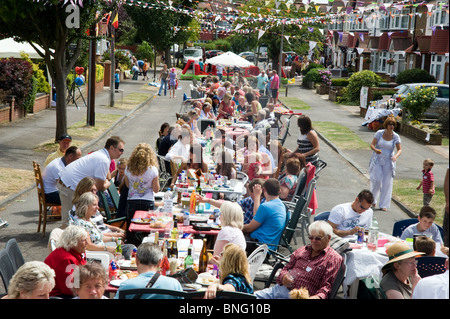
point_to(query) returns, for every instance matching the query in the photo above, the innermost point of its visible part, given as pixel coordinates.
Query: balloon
(79, 81)
(79, 70)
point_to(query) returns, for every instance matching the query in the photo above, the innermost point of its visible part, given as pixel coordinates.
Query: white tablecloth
(373, 114)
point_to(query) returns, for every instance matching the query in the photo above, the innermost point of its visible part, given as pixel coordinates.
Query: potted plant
(325, 82)
(390, 61)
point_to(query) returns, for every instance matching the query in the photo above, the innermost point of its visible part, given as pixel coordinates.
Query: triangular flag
(115, 22)
(287, 38)
(261, 33)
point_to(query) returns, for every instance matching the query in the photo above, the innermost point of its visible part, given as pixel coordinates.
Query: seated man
(313, 266)
(425, 226)
(148, 257)
(50, 176)
(347, 218)
(270, 219)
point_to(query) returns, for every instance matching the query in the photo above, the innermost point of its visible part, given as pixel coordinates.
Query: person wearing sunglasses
(95, 165)
(346, 219)
(313, 267)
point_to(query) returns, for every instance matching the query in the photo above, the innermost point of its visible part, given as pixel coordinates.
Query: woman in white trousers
(382, 163)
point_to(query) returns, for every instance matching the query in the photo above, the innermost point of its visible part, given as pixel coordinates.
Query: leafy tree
(59, 32)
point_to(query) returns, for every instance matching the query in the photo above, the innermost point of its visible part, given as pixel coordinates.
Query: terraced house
(390, 36)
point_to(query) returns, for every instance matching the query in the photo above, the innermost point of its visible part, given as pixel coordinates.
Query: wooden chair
(46, 210)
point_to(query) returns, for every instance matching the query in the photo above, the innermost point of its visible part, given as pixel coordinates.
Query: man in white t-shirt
(95, 165)
(347, 218)
(50, 176)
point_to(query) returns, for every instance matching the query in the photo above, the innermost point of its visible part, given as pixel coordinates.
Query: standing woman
(383, 162)
(141, 177)
(172, 82)
(163, 77)
(307, 141)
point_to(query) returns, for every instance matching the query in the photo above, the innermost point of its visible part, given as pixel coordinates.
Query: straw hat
(399, 251)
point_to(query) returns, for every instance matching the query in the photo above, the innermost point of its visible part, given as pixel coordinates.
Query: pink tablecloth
(134, 227)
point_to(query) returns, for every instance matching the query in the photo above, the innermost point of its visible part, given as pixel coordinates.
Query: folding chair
(284, 131)
(165, 178)
(44, 207)
(115, 196)
(340, 276)
(110, 216)
(14, 253)
(256, 259)
(430, 265)
(6, 268)
(204, 123)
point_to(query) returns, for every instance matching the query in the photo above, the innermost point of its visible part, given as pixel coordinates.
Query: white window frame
(439, 16)
(400, 20)
(437, 66)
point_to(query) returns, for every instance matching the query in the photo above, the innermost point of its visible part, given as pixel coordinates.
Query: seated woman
(70, 253)
(225, 165)
(163, 132)
(232, 221)
(234, 272)
(195, 162)
(206, 112)
(254, 156)
(93, 282)
(288, 182)
(226, 107)
(194, 116)
(87, 207)
(87, 184)
(33, 280)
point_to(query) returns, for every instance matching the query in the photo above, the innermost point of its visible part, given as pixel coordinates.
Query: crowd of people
(274, 174)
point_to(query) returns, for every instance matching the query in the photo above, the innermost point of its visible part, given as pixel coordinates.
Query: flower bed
(423, 133)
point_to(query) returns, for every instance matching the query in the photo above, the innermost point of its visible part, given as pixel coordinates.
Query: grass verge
(295, 103)
(405, 191)
(131, 100)
(341, 136)
(13, 181)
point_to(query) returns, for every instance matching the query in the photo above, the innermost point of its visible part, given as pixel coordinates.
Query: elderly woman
(400, 272)
(234, 272)
(33, 280)
(383, 162)
(69, 254)
(86, 207)
(261, 124)
(232, 221)
(85, 185)
(93, 281)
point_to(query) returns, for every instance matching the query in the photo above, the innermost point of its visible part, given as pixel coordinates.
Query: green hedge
(339, 82)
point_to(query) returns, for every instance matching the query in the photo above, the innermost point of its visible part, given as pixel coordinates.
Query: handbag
(186, 276)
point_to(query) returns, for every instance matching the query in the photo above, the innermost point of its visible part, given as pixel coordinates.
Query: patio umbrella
(229, 60)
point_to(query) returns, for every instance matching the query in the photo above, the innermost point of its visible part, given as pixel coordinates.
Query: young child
(427, 183)
(425, 226)
(255, 166)
(425, 245)
(117, 79)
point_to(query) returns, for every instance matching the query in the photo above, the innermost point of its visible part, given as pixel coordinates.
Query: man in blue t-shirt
(270, 219)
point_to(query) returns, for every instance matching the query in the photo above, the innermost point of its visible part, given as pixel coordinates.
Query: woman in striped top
(307, 141)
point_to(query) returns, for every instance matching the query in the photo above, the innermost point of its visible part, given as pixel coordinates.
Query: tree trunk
(61, 111)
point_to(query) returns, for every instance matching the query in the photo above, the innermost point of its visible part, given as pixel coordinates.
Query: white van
(195, 53)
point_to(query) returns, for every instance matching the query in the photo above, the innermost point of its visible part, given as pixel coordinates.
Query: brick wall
(41, 102)
(4, 113)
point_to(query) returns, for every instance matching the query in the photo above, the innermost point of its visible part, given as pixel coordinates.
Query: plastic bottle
(372, 241)
(192, 202)
(217, 216)
(119, 253)
(186, 218)
(112, 271)
(168, 201)
(183, 176)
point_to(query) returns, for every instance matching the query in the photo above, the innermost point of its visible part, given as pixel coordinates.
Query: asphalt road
(339, 182)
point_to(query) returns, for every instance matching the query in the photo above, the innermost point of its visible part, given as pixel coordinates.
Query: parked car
(248, 55)
(212, 53)
(433, 111)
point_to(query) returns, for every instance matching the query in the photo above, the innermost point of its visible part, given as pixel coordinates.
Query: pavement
(343, 178)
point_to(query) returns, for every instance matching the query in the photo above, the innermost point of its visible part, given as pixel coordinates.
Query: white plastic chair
(256, 259)
(102, 256)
